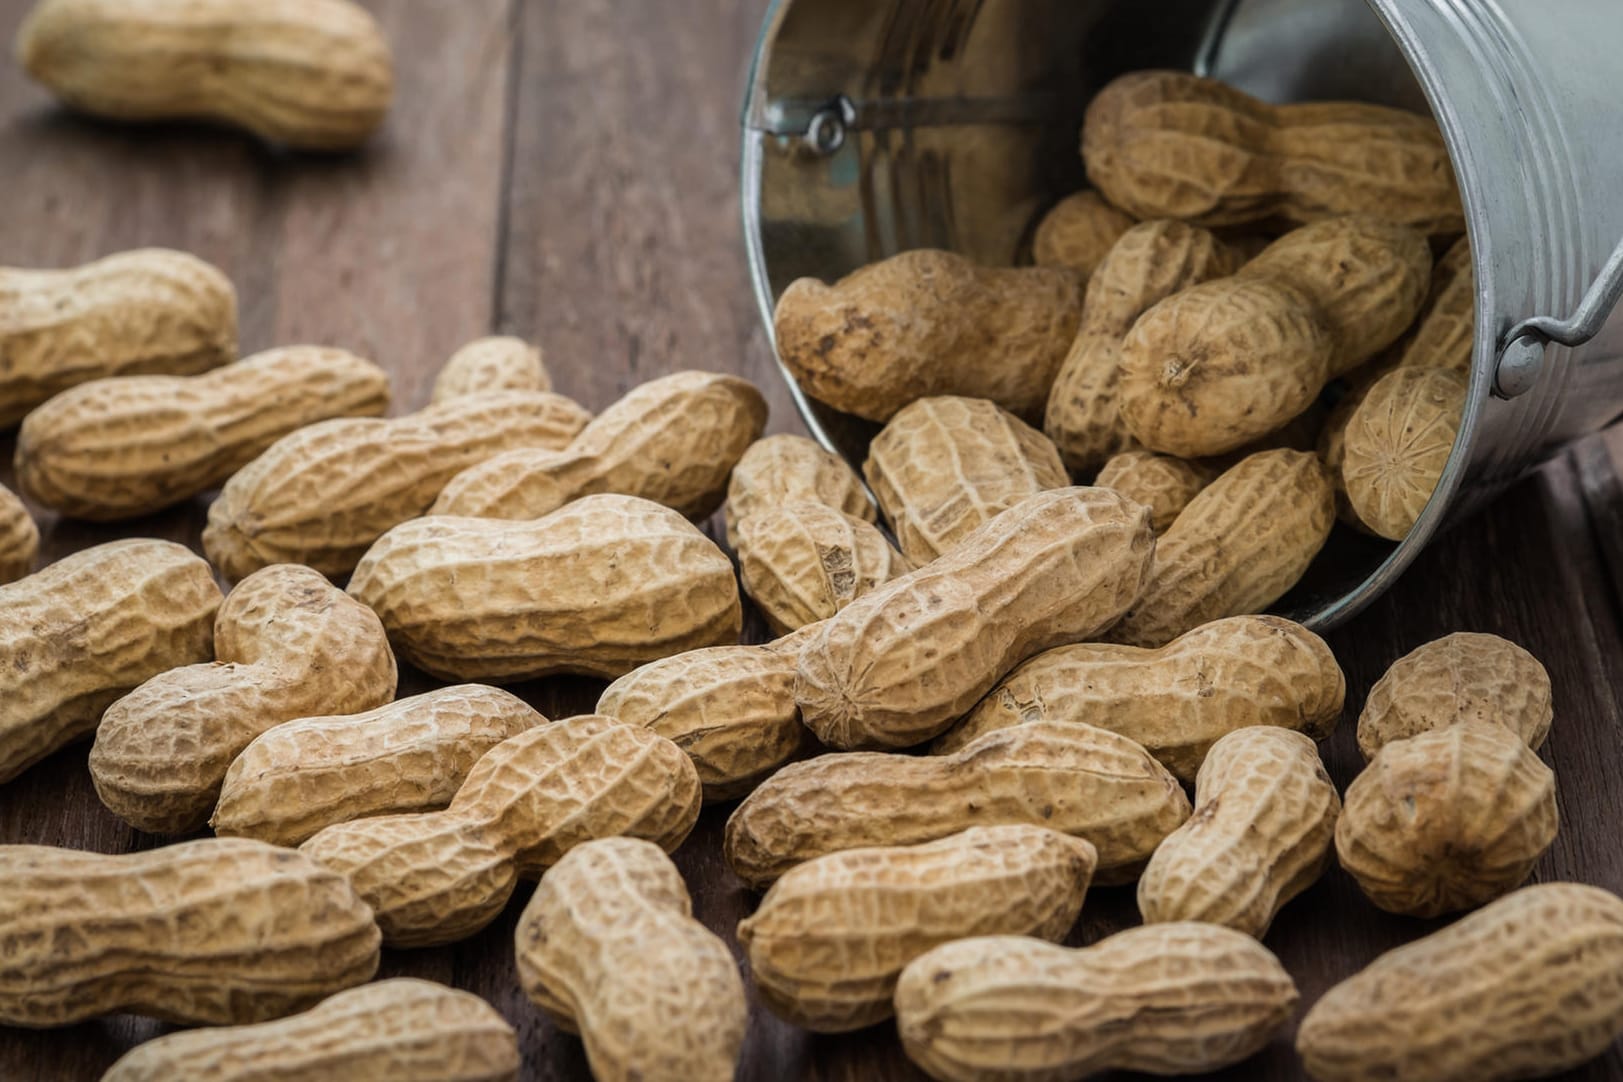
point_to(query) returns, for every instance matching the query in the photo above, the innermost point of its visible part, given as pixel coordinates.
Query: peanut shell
(19, 538)
(787, 469)
(1077, 232)
(497, 363)
(1160, 482)
(804, 562)
(1396, 442)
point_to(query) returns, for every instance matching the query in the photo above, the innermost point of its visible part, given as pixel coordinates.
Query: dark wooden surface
(565, 170)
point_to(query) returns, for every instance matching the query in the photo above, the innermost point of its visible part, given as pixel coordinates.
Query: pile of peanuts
(972, 713)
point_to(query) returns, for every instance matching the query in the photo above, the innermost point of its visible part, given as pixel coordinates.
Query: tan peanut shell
(926, 323)
(730, 708)
(19, 538)
(1077, 232)
(1524, 988)
(287, 644)
(599, 587)
(410, 755)
(497, 363)
(903, 662)
(1239, 545)
(313, 74)
(1396, 443)
(220, 931)
(398, 1030)
(1228, 361)
(608, 947)
(830, 938)
(320, 496)
(131, 445)
(804, 562)
(787, 469)
(436, 877)
(1260, 834)
(88, 628)
(1168, 999)
(1177, 700)
(1448, 819)
(1160, 482)
(1444, 335)
(1466, 676)
(1072, 778)
(1167, 144)
(672, 440)
(148, 311)
(1150, 262)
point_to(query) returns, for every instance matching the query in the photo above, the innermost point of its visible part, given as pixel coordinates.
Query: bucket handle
(1522, 355)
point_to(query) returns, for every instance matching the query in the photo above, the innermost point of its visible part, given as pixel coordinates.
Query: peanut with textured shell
(1072, 778)
(322, 495)
(787, 469)
(1160, 482)
(1260, 834)
(1523, 988)
(1173, 999)
(1466, 676)
(497, 363)
(287, 644)
(672, 440)
(598, 587)
(1167, 144)
(398, 1030)
(926, 323)
(830, 938)
(1077, 232)
(1237, 548)
(220, 931)
(313, 74)
(148, 311)
(19, 537)
(1397, 442)
(804, 562)
(437, 877)
(1447, 820)
(131, 445)
(85, 630)
(410, 755)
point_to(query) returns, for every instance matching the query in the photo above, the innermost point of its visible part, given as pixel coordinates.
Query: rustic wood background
(565, 170)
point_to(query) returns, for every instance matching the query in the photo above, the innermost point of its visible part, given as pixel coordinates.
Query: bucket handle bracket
(1522, 355)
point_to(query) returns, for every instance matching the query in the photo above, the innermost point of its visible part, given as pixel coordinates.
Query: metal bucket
(875, 126)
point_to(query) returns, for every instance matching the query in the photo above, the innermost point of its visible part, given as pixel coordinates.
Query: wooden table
(565, 170)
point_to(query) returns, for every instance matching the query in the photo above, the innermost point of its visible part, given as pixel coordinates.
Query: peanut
(1396, 442)
(1524, 988)
(19, 538)
(131, 445)
(399, 1030)
(218, 931)
(1149, 263)
(1447, 820)
(830, 938)
(1167, 144)
(1178, 700)
(410, 755)
(147, 311)
(804, 562)
(1239, 545)
(1265, 814)
(500, 363)
(313, 74)
(609, 948)
(1171, 999)
(1228, 361)
(673, 440)
(437, 877)
(786, 469)
(598, 587)
(1077, 232)
(1160, 482)
(1461, 677)
(288, 644)
(944, 466)
(320, 496)
(1073, 778)
(86, 630)
(926, 323)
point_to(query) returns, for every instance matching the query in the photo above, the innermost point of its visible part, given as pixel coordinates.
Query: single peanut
(1168, 999)
(85, 630)
(1395, 445)
(1077, 232)
(219, 931)
(608, 947)
(499, 363)
(788, 469)
(19, 538)
(131, 445)
(830, 938)
(410, 755)
(804, 562)
(1160, 482)
(1524, 988)
(437, 877)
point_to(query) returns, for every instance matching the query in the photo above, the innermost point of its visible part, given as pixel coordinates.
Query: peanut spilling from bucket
(497, 363)
(790, 469)
(1077, 232)
(831, 937)
(19, 538)
(1396, 442)
(804, 562)
(1162, 483)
